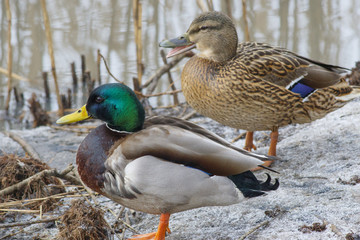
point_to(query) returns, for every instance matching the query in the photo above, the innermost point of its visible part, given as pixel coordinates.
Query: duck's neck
(218, 55)
(120, 130)
(220, 49)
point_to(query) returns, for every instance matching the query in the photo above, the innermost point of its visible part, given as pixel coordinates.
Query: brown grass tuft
(14, 169)
(82, 221)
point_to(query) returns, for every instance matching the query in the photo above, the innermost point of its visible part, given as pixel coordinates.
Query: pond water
(328, 31)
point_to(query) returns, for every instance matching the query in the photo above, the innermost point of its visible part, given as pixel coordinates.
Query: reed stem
(46, 85)
(246, 25)
(137, 16)
(171, 81)
(51, 53)
(98, 62)
(9, 56)
(83, 68)
(74, 77)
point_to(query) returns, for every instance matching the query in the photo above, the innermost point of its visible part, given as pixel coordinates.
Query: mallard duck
(159, 165)
(254, 86)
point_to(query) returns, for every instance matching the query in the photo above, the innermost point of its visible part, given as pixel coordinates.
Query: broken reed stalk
(152, 82)
(9, 56)
(137, 15)
(46, 85)
(27, 148)
(16, 95)
(74, 77)
(98, 62)
(238, 137)
(122, 221)
(254, 229)
(189, 115)
(108, 70)
(171, 81)
(14, 75)
(25, 211)
(45, 173)
(83, 68)
(68, 98)
(246, 26)
(155, 77)
(25, 202)
(89, 82)
(51, 53)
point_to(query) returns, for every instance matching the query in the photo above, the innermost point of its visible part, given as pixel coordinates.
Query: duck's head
(113, 103)
(212, 33)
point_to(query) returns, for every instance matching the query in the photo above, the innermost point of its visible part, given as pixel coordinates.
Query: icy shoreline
(314, 157)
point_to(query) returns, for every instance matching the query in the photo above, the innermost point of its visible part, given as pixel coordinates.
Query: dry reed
(9, 56)
(52, 58)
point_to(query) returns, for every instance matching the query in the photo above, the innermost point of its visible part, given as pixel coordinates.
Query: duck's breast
(92, 154)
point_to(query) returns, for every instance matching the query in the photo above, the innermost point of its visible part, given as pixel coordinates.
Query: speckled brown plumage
(251, 85)
(242, 93)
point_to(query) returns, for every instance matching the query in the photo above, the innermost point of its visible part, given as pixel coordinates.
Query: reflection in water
(325, 30)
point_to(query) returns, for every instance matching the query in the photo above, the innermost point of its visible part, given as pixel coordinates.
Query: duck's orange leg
(161, 231)
(249, 144)
(274, 135)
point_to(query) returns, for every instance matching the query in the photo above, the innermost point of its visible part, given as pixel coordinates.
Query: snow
(313, 158)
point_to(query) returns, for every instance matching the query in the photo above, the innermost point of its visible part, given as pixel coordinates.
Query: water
(323, 30)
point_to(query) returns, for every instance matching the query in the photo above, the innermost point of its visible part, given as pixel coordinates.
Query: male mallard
(254, 86)
(159, 165)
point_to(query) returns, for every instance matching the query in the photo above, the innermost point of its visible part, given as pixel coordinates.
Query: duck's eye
(203, 28)
(99, 99)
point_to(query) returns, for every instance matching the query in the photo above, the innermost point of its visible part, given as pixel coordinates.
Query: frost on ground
(318, 197)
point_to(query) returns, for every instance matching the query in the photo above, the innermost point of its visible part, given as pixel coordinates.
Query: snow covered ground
(317, 161)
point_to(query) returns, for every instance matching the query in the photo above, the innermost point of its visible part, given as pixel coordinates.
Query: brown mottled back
(248, 91)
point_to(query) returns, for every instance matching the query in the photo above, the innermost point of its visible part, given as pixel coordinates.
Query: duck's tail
(250, 186)
(354, 93)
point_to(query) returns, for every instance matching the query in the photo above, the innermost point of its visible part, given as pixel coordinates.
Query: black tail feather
(250, 186)
(269, 169)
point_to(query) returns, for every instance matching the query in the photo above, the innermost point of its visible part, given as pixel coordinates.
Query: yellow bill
(77, 116)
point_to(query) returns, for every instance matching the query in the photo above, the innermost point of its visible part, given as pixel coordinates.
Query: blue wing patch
(302, 89)
(200, 170)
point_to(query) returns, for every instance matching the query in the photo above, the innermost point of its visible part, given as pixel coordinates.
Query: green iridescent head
(113, 103)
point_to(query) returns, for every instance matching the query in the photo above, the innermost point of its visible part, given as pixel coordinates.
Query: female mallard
(254, 86)
(159, 165)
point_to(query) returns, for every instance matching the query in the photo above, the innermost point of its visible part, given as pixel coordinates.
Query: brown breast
(92, 153)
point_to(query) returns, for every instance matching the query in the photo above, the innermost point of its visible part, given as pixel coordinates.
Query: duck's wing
(285, 68)
(177, 145)
(153, 185)
(156, 170)
(189, 126)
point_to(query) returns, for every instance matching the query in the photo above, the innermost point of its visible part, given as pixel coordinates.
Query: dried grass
(14, 169)
(83, 221)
